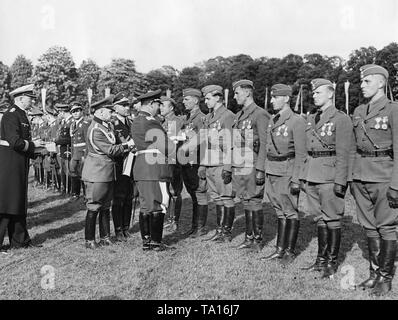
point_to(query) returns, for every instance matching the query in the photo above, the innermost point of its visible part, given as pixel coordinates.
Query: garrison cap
(24, 91)
(75, 106)
(3, 107)
(212, 88)
(62, 107)
(164, 98)
(150, 96)
(243, 82)
(122, 102)
(104, 103)
(369, 69)
(281, 90)
(191, 92)
(316, 83)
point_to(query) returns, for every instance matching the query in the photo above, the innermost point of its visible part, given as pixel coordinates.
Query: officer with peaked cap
(123, 191)
(325, 173)
(99, 171)
(151, 170)
(16, 148)
(63, 140)
(78, 133)
(172, 124)
(374, 171)
(215, 160)
(189, 157)
(286, 152)
(248, 158)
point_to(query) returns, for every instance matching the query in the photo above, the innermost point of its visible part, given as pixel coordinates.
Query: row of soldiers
(230, 156)
(225, 157)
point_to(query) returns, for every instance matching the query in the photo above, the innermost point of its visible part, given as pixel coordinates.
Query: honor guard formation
(115, 160)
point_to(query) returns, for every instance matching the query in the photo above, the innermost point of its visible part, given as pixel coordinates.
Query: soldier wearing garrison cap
(286, 152)
(99, 171)
(151, 170)
(16, 148)
(248, 158)
(325, 173)
(374, 171)
(78, 133)
(122, 204)
(216, 162)
(189, 156)
(63, 140)
(172, 124)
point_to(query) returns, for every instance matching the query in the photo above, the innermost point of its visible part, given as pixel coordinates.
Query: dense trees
(56, 71)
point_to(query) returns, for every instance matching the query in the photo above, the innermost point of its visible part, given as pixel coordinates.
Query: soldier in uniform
(324, 174)
(172, 124)
(78, 133)
(37, 123)
(286, 152)
(189, 158)
(374, 170)
(64, 142)
(16, 148)
(151, 171)
(123, 192)
(99, 171)
(248, 162)
(215, 159)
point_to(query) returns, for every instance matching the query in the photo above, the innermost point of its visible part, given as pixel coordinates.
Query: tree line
(65, 82)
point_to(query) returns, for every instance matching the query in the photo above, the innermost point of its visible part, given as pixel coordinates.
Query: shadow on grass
(44, 201)
(58, 232)
(56, 213)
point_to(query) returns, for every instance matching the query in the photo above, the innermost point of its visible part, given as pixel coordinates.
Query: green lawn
(194, 270)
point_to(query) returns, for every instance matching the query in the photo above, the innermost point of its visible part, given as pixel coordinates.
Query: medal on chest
(381, 123)
(327, 129)
(247, 124)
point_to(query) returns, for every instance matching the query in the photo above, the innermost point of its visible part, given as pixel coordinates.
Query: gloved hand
(294, 189)
(202, 172)
(339, 190)
(260, 177)
(392, 197)
(226, 176)
(303, 186)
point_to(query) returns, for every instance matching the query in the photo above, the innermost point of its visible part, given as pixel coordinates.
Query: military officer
(16, 148)
(78, 133)
(99, 171)
(189, 158)
(123, 191)
(286, 152)
(374, 170)
(324, 174)
(172, 124)
(64, 142)
(37, 123)
(248, 161)
(151, 171)
(215, 159)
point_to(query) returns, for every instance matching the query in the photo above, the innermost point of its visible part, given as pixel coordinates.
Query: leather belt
(320, 154)
(376, 153)
(281, 158)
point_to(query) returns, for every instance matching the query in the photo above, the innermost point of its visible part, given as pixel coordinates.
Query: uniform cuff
(26, 146)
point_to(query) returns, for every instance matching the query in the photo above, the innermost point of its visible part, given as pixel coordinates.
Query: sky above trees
(181, 33)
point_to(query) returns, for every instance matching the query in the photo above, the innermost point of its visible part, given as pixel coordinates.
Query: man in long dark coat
(16, 148)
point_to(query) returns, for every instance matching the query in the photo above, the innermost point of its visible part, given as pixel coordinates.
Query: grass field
(194, 270)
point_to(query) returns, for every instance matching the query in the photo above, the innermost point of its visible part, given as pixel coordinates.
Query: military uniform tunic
(249, 154)
(78, 133)
(151, 170)
(64, 142)
(286, 152)
(328, 146)
(217, 137)
(99, 167)
(374, 166)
